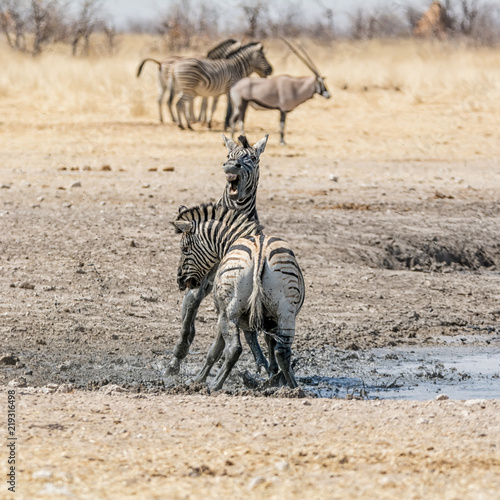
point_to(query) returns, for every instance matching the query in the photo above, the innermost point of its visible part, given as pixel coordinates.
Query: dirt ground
(392, 206)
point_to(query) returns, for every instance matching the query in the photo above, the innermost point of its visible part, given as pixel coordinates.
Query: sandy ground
(391, 203)
(96, 445)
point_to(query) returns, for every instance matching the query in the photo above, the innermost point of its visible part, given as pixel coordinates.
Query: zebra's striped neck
(246, 206)
(208, 232)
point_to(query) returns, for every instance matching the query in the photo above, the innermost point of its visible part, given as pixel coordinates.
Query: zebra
(240, 193)
(258, 284)
(165, 81)
(205, 77)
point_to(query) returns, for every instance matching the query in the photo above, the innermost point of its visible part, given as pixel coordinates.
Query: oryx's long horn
(304, 58)
(306, 55)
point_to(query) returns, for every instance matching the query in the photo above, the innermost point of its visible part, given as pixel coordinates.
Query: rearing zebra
(258, 284)
(240, 193)
(213, 78)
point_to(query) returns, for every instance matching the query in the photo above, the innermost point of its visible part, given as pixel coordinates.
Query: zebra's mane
(241, 49)
(244, 142)
(211, 211)
(225, 44)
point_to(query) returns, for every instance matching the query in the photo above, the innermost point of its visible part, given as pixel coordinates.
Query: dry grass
(390, 99)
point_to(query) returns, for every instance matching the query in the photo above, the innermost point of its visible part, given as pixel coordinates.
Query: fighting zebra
(165, 81)
(240, 193)
(258, 284)
(205, 77)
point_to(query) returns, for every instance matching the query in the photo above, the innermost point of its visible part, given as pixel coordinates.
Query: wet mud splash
(452, 368)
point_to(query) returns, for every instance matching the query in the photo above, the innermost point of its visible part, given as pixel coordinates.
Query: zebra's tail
(255, 300)
(139, 69)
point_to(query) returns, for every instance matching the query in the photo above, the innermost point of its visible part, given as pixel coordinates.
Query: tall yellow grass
(390, 99)
(429, 72)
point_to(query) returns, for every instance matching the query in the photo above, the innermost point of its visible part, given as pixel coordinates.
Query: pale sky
(120, 11)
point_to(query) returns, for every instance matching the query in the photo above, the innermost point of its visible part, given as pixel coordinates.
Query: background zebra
(258, 284)
(213, 78)
(240, 193)
(165, 80)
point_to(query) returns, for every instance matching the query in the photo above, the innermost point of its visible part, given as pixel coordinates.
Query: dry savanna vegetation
(388, 191)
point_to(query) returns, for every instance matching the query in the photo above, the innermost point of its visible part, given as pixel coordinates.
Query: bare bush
(13, 22)
(177, 27)
(380, 23)
(42, 19)
(84, 24)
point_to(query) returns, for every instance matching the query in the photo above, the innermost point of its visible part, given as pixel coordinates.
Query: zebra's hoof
(174, 367)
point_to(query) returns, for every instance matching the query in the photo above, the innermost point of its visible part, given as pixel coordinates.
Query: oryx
(281, 92)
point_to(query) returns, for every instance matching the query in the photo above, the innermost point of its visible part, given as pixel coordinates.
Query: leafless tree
(255, 15)
(85, 23)
(43, 19)
(13, 21)
(177, 26)
(46, 19)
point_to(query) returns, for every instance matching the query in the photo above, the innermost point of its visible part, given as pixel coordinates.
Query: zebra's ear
(182, 226)
(182, 208)
(261, 145)
(230, 144)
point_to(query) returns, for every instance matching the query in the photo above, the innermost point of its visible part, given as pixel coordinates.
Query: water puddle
(460, 372)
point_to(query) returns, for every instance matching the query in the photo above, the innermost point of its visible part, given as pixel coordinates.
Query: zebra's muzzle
(187, 283)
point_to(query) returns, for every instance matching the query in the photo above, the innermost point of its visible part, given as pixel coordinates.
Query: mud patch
(436, 254)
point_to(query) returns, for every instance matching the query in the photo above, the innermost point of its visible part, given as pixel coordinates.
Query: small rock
(442, 397)
(146, 186)
(111, 389)
(422, 421)
(333, 178)
(18, 382)
(472, 402)
(65, 366)
(27, 285)
(106, 168)
(76, 184)
(5, 186)
(42, 474)
(255, 481)
(282, 465)
(51, 491)
(133, 244)
(50, 388)
(8, 359)
(65, 388)
(169, 169)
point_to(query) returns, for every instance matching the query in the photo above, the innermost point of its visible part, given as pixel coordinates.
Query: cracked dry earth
(399, 250)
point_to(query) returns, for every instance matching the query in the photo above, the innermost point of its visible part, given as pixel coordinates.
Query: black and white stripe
(207, 77)
(240, 193)
(165, 79)
(258, 284)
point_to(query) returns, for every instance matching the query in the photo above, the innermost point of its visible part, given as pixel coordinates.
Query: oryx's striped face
(242, 169)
